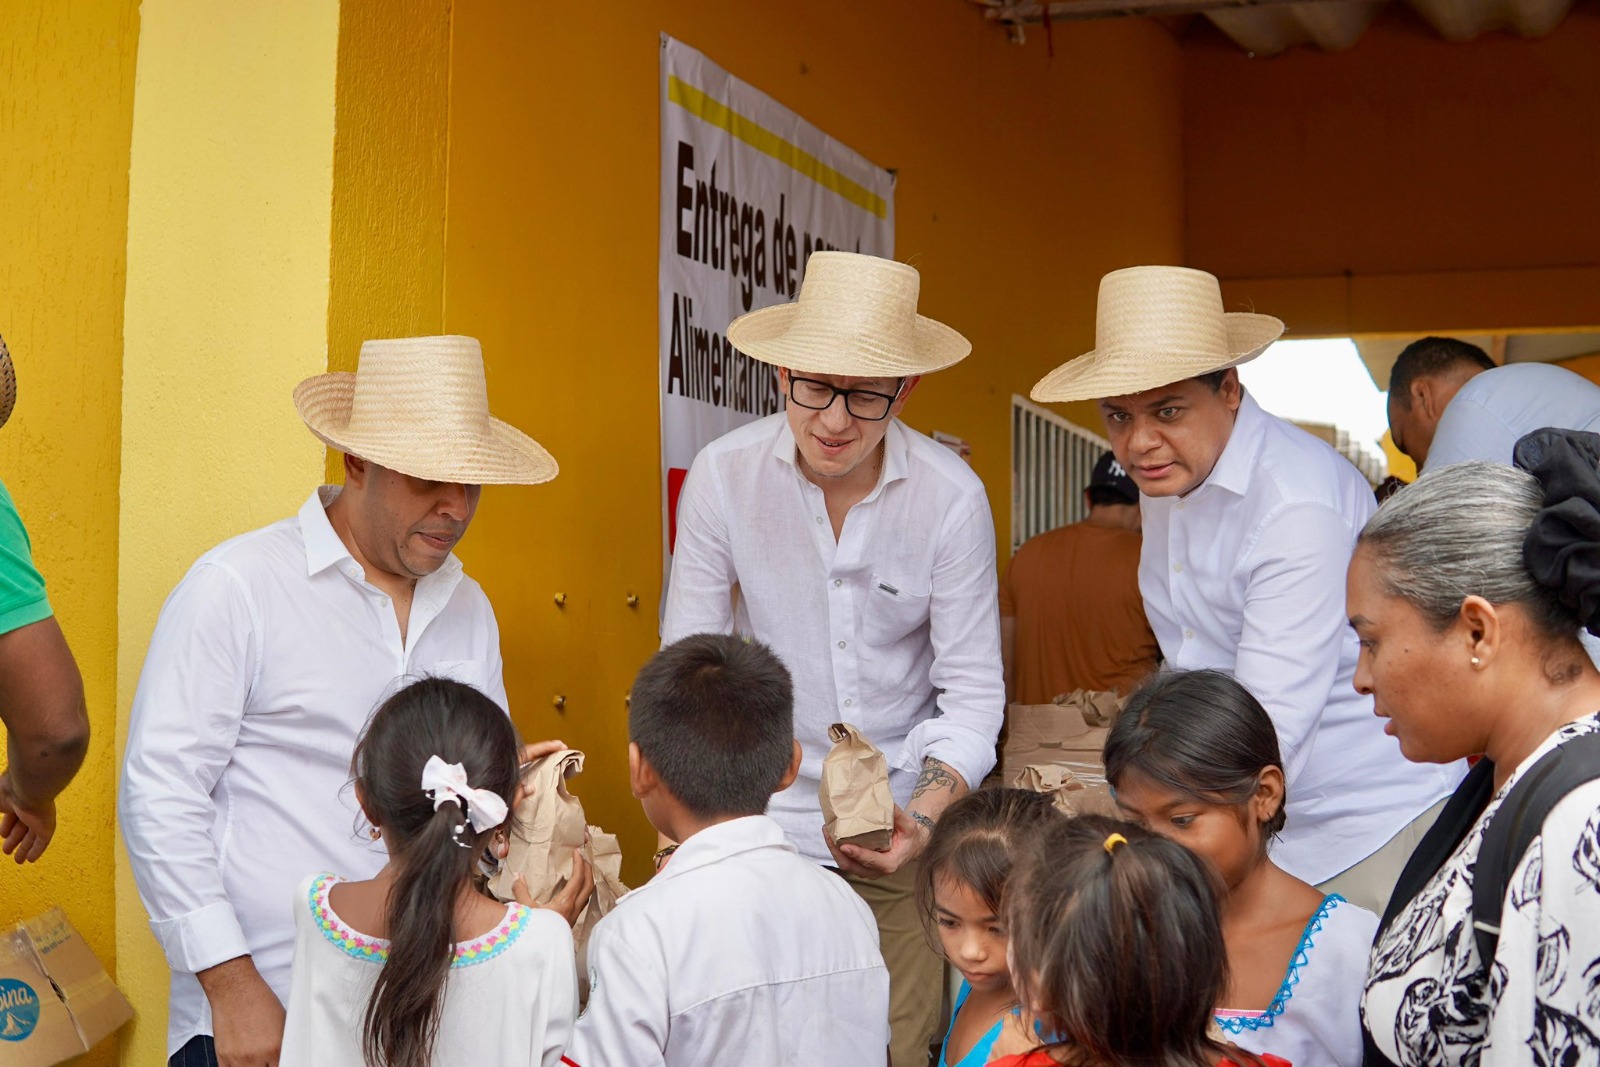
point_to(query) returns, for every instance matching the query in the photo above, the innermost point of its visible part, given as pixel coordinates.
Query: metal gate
(1051, 460)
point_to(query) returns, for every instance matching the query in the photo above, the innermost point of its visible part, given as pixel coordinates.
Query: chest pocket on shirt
(893, 609)
(477, 673)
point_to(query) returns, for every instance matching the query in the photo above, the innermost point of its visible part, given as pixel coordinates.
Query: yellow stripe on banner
(716, 113)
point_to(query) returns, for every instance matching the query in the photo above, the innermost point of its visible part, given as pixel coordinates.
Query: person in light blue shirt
(1449, 403)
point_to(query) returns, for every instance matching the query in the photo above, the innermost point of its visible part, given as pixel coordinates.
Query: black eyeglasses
(861, 403)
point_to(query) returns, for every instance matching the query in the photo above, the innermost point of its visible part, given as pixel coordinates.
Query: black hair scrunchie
(1562, 548)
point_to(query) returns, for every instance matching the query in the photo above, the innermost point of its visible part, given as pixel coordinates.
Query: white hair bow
(445, 782)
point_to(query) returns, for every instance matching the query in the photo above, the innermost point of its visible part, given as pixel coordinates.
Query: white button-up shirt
(266, 662)
(893, 628)
(1246, 574)
(738, 952)
(1492, 410)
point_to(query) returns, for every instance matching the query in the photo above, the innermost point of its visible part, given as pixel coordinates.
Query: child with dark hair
(739, 950)
(1194, 758)
(419, 966)
(1116, 952)
(964, 870)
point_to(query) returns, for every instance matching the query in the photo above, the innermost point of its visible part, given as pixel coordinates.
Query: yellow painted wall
(1022, 180)
(387, 267)
(229, 224)
(66, 106)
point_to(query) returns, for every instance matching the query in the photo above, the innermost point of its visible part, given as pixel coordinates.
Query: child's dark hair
(977, 842)
(714, 715)
(1117, 947)
(434, 716)
(1198, 733)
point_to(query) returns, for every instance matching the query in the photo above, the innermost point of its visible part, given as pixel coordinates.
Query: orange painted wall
(1406, 184)
(1022, 180)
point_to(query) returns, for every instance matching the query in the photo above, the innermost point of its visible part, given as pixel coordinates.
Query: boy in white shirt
(739, 950)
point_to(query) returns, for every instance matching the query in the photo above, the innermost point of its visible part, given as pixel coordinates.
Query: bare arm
(938, 786)
(247, 1017)
(47, 733)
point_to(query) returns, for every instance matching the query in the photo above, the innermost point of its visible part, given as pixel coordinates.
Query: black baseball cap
(1108, 473)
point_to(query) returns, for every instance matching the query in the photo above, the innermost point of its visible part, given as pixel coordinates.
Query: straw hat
(856, 316)
(1155, 326)
(420, 406)
(8, 383)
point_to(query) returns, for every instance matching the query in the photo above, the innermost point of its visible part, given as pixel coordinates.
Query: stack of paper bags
(1069, 735)
(857, 807)
(547, 825)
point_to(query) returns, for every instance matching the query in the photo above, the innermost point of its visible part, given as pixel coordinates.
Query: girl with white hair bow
(419, 965)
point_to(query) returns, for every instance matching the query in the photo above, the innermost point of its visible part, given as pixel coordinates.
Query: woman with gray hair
(1467, 591)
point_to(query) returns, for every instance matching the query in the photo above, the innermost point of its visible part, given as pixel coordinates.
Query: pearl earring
(1476, 662)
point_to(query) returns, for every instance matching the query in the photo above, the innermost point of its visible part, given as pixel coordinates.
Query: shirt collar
(324, 549)
(721, 841)
(896, 453)
(1238, 460)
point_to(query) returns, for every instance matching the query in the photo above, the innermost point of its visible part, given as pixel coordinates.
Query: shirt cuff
(962, 750)
(203, 938)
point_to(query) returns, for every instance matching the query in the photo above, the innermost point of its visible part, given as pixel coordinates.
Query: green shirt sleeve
(22, 596)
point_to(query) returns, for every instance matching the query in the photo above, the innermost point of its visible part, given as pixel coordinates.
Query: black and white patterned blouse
(1427, 1002)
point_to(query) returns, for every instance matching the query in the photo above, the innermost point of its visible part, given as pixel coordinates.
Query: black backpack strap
(1457, 818)
(1517, 822)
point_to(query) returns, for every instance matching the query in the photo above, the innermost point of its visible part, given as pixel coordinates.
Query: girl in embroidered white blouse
(1468, 590)
(1194, 757)
(419, 966)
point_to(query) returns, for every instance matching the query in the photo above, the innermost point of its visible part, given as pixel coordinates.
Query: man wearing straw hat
(269, 656)
(1248, 528)
(863, 553)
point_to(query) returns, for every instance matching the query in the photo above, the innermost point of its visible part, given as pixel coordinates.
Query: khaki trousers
(1369, 883)
(916, 972)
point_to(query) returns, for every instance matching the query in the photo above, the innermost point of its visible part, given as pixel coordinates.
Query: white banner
(748, 190)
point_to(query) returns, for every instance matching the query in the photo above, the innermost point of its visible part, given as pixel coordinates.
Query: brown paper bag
(549, 824)
(605, 858)
(1070, 794)
(1071, 731)
(857, 807)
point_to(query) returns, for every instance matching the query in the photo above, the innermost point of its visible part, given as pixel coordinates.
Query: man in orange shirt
(1071, 616)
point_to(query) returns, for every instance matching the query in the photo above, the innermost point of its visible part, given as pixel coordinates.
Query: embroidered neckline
(1239, 1023)
(369, 949)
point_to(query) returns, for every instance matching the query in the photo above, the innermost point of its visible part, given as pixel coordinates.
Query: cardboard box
(56, 1000)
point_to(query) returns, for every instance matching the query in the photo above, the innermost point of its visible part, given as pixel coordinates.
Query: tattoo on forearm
(935, 776)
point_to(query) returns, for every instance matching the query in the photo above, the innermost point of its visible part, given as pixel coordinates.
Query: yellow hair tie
(1113, 841)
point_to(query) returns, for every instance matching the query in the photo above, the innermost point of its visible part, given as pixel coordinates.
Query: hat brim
(504, 455)
(766, 335)
(1121, 371)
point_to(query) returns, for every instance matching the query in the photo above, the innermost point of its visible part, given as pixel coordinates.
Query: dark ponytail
(1116, 946)
(457, 723)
